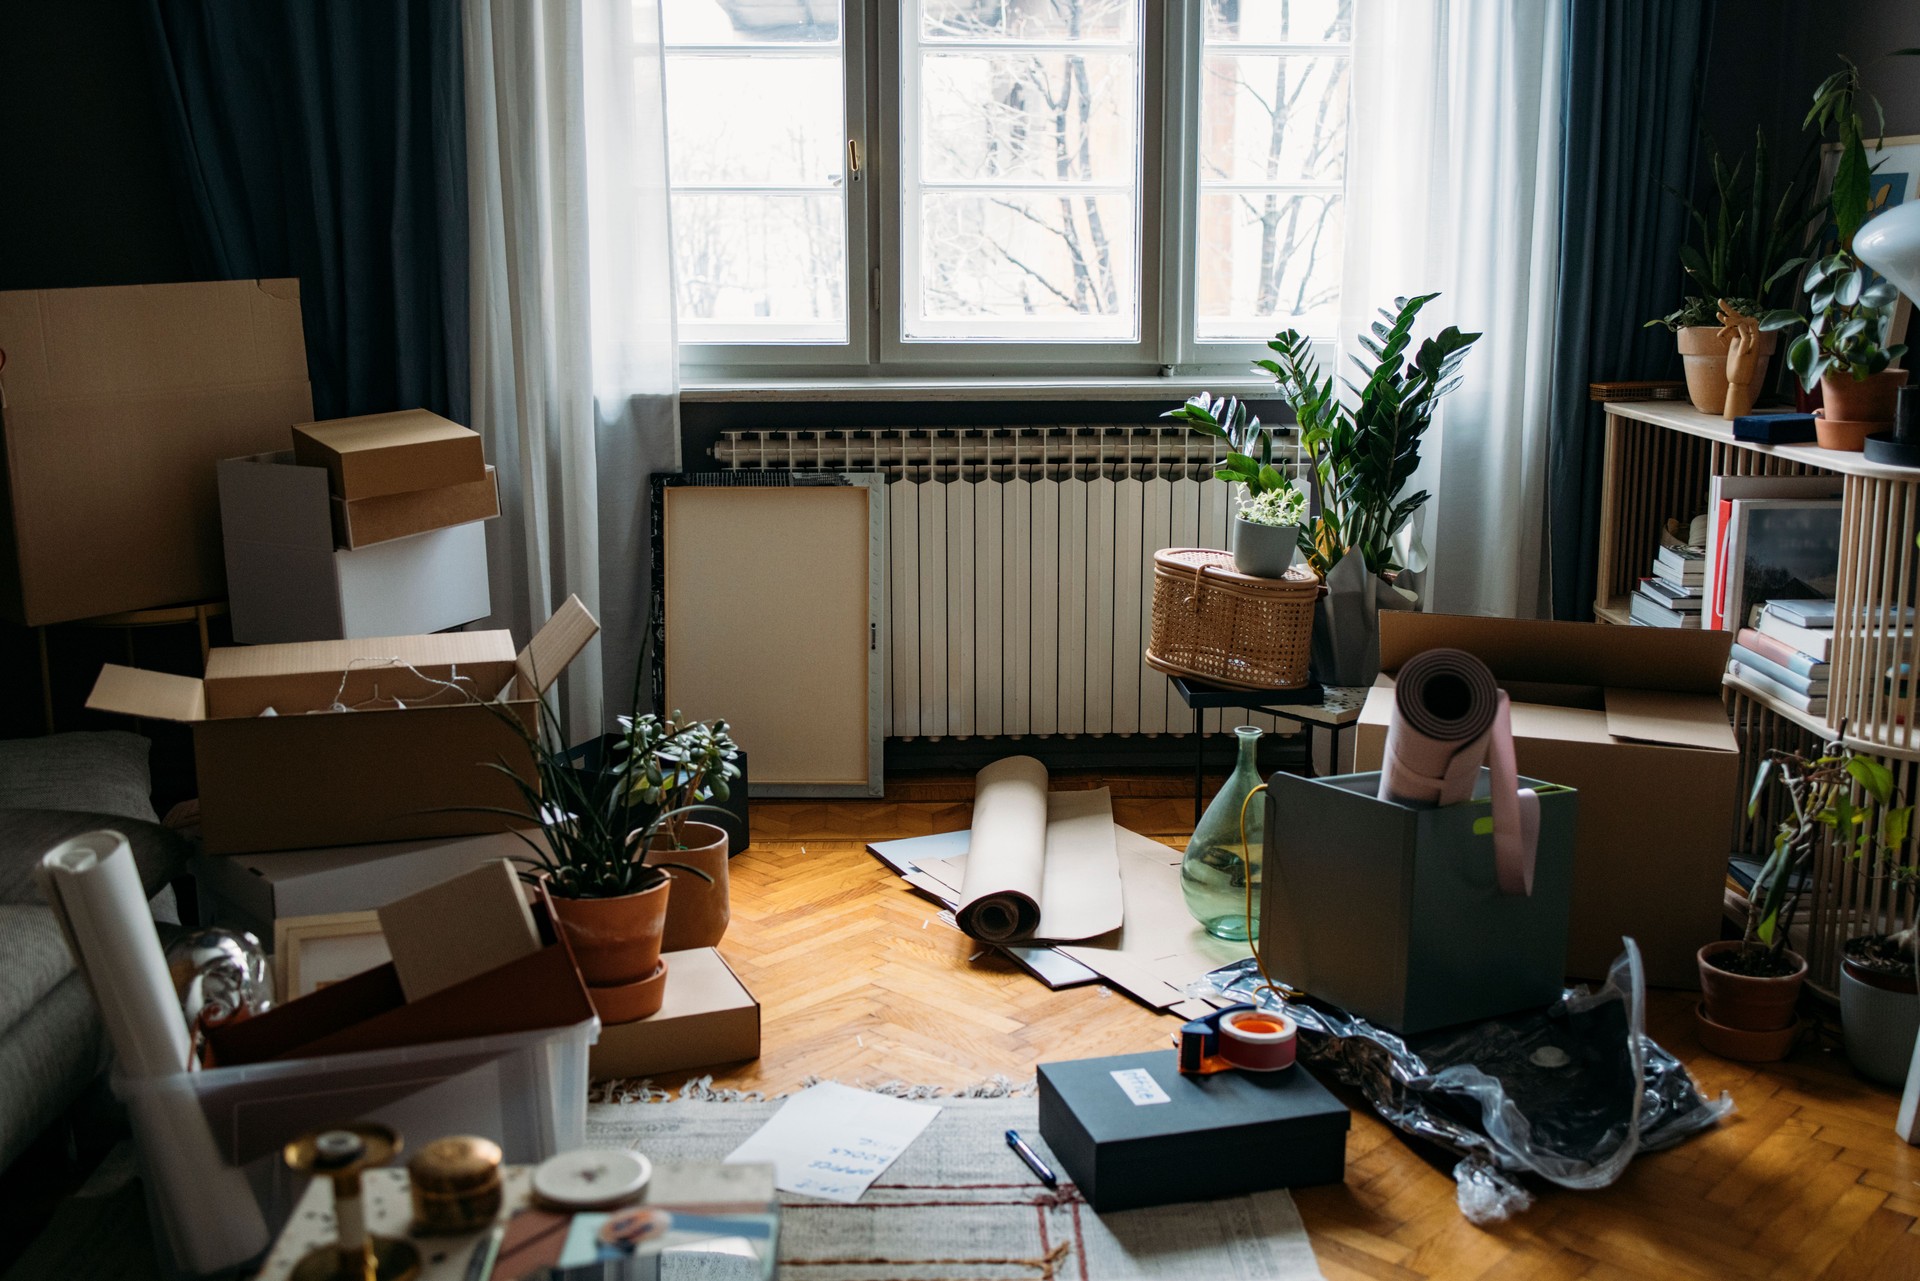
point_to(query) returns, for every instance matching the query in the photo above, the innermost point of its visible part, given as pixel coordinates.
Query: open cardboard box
(309, 776)
(708, 1017)
(1632, 718)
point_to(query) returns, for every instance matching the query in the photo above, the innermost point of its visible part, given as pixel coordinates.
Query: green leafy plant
(1249, 459)
(1837, 795)
(1739, 242)
(598, 820)
(1848, 327)
(1836, 108)
(1276, 507)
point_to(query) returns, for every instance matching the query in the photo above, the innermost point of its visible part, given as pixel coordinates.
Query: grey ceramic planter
(1879, 1027)
(1265, 551)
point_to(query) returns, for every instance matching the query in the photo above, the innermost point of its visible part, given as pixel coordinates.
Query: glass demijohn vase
(1214, 874)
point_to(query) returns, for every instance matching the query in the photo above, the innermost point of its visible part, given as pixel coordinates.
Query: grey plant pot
(1879, 1027)
(1265, 551)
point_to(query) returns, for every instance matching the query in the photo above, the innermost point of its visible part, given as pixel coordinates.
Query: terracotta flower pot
(625, 1002)
(1745, 1003)
(1703, 355)
(699, 912)
(1861, 400)
(1744, 1047)
(1849, 437)
(615, 941)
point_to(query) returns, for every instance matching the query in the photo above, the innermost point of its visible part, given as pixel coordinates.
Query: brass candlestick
(356, 1254)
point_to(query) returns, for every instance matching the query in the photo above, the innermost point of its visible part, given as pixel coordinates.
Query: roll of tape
(1257, 1040)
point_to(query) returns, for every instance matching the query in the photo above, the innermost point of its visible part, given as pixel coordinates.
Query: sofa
(52, 1045)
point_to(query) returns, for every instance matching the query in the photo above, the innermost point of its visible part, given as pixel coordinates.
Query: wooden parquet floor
(859, 982)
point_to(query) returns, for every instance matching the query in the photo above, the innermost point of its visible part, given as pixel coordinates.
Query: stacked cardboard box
(368, 526)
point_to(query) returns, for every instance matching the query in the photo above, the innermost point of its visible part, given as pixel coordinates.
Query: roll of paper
(1039, 864)
(1449, 719)
(94, 888)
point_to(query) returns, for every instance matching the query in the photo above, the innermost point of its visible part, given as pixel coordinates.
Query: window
(1056, 185)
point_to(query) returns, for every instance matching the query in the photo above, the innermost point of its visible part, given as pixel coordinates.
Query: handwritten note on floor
(832, 1141)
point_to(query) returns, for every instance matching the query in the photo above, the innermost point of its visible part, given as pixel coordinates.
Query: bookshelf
(1660, 459)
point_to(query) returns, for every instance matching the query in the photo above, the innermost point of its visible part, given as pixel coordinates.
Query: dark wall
(1866, 31)
(88, 198)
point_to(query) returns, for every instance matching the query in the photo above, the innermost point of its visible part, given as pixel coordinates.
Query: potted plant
(674, 767)
(1266, 531)
(601, 829)
(1270, 509)
(1750, 986)
(1880, 1004)
(1844, 350)
(1734, 256)
(1363, 456)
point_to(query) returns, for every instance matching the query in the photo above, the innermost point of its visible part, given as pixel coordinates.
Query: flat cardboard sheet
(115, 405)
(1040, 865)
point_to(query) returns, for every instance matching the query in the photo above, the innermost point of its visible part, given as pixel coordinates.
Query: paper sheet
(832, 1141)
(1040, 864)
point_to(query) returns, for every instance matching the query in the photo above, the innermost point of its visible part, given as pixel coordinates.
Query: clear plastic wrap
(1570, 1094)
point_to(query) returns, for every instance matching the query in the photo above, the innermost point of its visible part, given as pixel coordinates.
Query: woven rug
(959, 1206)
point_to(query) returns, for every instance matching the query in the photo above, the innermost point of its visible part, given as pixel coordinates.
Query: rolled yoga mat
(1449, 719)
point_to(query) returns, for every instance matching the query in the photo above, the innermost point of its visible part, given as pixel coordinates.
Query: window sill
(946, 388)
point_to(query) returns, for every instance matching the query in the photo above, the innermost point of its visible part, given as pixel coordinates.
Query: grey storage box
(1391, 912)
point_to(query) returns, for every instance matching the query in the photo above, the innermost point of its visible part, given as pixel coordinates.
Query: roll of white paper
(93, 886)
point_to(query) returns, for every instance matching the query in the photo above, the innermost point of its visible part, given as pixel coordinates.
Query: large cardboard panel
(115, 405)
(708, 1017)
(397, 453)
(1624, 715)
(376, 520)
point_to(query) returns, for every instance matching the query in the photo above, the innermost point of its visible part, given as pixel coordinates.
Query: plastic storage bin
(527, 1091)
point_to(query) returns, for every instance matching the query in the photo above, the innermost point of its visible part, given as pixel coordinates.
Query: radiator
(1020, 569)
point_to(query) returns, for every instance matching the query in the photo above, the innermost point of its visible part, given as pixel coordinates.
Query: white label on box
(1139, 1085)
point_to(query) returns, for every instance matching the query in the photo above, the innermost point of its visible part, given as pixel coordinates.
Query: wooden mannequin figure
(1743, 355)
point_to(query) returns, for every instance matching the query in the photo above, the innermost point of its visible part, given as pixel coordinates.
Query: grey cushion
(102, 773)
(25, 835)
(36, 960)
(46, 1060)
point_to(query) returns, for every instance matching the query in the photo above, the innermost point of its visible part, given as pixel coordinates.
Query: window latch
(853, 160)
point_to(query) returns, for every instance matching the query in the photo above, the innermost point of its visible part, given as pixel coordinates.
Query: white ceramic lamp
(1890, 244)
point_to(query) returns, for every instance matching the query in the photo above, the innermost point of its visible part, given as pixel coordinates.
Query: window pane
(1028, 20)
(761, 268)
(1274, 119)
(1020, 265)
(757, 137)
(994, 116)
(760, 120)
(1269, 261)
(750, 21)
(1280, 21)
(1020, 191)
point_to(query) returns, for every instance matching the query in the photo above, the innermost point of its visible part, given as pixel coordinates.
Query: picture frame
(310, 952)
(1895, 165)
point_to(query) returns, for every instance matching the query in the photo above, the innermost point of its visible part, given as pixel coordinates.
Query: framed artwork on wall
(1896, 179)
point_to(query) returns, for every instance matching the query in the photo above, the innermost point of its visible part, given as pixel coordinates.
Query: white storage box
(286, 580)
(527, 1091)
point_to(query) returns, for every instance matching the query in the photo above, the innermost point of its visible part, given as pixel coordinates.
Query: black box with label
(1131, 1131)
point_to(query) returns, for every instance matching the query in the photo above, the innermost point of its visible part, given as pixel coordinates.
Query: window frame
(1168, 248)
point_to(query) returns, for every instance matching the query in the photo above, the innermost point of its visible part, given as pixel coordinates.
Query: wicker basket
(1216, 624)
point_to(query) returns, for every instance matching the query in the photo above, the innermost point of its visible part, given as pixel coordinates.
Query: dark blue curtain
(326, 139)
(1634, 68)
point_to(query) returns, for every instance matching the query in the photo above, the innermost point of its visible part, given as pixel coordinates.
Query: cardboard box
(1441, 944)
(252, 891)
(288, 582)
(397, 453)
(115, 405)
(307, 776)
(708, 1017)
(367, 521)
(1209, 1136)
(459, 929)
(1632, 719)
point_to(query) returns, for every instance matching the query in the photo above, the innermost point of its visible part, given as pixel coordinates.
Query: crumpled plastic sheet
(1570, 1094)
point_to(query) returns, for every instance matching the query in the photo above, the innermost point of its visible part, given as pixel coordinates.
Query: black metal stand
(1202, 697)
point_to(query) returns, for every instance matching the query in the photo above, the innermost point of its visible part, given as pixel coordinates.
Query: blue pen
(1032, 1158)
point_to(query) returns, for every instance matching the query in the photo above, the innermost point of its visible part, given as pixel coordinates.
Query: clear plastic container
(210, 1141)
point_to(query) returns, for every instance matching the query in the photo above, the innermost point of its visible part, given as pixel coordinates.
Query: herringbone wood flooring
(858, 982)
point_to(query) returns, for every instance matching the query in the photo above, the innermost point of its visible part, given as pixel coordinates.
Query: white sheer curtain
(1454, 186)
(574, 373)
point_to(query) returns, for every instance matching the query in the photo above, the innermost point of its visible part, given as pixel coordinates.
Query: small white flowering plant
(1285, 506)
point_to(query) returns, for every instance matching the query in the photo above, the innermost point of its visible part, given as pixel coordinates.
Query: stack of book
(1673, 596)
(1785, 650)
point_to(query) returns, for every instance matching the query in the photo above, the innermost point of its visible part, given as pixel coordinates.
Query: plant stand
(1333, 707)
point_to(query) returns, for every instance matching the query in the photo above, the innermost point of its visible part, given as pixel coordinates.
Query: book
(1780, 672)
(1815, 642)
(1812, 704)
(1667, 574)
(1647, 613)
(1782, 653)
(1781, 549)
(1774, 429)
(1686, 600)
(1680, 564)
(1722, 490)
(1804, 613)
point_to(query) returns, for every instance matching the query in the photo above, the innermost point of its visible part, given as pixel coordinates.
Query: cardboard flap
(552, 648)
(158, 696)
(1676, 661)
(1674, 719)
